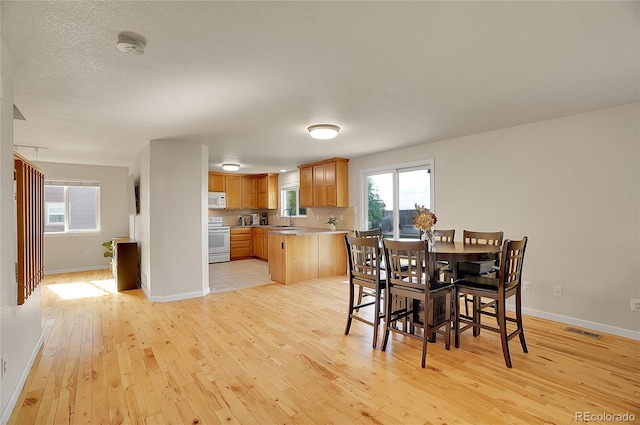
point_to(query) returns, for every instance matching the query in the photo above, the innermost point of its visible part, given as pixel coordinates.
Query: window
(71, 206)
(55, 213)
(290, 202)
(390, 195)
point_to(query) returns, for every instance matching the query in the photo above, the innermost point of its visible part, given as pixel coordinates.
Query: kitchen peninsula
(300, 254)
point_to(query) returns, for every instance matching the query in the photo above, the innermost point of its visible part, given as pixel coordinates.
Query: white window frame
(283, 209)
(74, 183)
(394, 169)
(48, 212)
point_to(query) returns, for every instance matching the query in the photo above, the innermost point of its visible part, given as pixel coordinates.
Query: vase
(429, 238)
(332, 227)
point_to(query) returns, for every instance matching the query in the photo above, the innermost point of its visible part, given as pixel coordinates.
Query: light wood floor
(277, 355)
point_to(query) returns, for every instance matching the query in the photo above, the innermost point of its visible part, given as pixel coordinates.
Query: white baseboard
(626, 333)
(77, 269)
(176, 297)
(15, 394)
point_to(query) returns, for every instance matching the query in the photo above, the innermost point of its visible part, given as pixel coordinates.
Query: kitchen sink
(285, 227)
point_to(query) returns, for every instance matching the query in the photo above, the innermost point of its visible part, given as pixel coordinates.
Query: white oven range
(219, 241)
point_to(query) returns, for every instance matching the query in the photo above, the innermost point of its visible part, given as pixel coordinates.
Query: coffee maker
(255, 219)
(263, 219)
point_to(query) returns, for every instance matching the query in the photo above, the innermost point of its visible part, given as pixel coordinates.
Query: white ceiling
(248, 78)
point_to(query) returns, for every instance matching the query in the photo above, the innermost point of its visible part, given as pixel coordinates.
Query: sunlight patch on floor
(75, 290)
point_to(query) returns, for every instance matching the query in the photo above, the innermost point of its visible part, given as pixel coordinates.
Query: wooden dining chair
(447, 236)
(497, 290)
(372, 233)
(364, 256)
(480, 267)
(411, 294)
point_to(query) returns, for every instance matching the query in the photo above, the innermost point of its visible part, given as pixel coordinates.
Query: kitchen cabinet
(125, 263)
(217, 182)
(306, 186)
(260, 245)
(249, 192)
(268, 191)
(241, 243)
(233, 184)
(325, 183)
(299, 257)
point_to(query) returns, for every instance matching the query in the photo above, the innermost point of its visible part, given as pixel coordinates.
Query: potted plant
(108, 245)
(333, 220)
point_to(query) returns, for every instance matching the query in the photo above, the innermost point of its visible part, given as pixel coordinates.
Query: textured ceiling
(248, 78)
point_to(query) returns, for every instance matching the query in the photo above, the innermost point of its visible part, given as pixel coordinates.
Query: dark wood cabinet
(125, 263)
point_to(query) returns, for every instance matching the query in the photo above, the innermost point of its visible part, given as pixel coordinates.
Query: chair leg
(456, 323)
(502, 323)
(447, 314)
(466, 304)
(387, 320)
(476, 314)
(376, 320)
(519, 321)
(424, 346)
(360, 293)
(350, 310)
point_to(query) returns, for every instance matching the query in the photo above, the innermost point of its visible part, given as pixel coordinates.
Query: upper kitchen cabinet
(268, 191)
(217, 182)
(306, 186)
(233, 184)
(325, 183)
(249, 192)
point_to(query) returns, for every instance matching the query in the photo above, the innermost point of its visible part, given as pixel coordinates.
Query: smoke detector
(130, 45)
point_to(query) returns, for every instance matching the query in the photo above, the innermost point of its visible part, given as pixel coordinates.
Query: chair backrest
(364, 256)
(476, 238)
(405, 263)
(373, 233)
(445, 235)
(512, 257)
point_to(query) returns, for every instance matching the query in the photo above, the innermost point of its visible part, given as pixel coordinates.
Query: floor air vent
(585, 333)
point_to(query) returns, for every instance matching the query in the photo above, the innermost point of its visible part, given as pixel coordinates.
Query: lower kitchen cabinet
(260, 243)
(241, 243)
(300, 257)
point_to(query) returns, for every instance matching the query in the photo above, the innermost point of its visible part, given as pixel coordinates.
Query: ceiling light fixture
(130, 45)
(323, 131)
(230, 167)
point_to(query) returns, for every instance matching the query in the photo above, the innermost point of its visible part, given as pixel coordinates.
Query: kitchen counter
(293, 230)
(307, 231)
(300, 254)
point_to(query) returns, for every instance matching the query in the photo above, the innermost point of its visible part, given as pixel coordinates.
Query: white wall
(20, 327)
(65, 253)
(173, 228)
(571, 185)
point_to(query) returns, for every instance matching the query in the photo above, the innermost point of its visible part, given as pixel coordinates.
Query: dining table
(454, 253)
(458, 252)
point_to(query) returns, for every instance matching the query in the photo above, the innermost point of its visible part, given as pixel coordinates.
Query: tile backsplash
(316, 217)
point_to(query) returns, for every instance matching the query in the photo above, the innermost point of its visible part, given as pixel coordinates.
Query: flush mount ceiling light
(230, 167)
(323, 131)
(130, 45)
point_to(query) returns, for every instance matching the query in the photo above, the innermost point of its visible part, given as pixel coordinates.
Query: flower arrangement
(425, 219)
(333, 220)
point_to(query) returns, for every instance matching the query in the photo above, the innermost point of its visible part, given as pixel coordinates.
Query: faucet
(290, 216)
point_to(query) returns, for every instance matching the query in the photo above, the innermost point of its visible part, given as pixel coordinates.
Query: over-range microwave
(217, 200)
